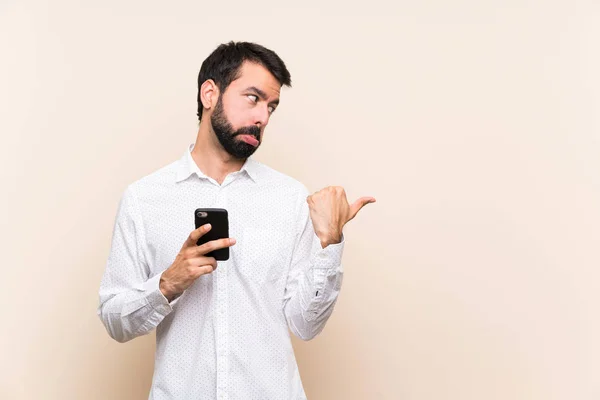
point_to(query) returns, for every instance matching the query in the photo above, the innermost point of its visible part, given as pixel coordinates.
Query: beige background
(476, 125)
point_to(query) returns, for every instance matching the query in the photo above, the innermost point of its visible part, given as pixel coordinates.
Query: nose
(261, 116)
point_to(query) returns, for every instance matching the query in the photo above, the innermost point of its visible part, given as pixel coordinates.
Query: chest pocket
(262, 255)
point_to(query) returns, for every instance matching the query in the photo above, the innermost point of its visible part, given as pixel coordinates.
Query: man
(222, 333)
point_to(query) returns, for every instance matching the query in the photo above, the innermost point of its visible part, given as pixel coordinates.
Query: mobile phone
(218, 219)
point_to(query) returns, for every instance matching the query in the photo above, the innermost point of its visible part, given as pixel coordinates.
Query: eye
(253, 97)
(271, 110)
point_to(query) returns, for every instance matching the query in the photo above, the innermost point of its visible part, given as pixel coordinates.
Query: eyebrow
(261, 94)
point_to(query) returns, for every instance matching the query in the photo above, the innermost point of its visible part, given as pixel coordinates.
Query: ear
(209, 94)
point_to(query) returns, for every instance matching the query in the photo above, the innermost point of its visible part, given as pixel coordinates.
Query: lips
(251, 140)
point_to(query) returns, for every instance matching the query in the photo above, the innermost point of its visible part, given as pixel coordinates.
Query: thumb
(358, 204)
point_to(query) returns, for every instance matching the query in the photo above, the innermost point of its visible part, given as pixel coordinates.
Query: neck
(210, 157)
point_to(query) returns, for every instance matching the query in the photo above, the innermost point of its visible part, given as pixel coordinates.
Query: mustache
(249, 130)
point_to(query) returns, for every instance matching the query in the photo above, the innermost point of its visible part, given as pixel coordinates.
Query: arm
(131, 303)
(314, 280)
(315, 276)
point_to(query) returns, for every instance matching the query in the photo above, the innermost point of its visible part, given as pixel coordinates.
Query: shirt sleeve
(314, 278)
(131, 303)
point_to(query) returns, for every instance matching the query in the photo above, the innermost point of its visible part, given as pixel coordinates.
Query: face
(242, 112)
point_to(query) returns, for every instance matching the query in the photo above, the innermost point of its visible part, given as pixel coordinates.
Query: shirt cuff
(155, 297)
(328, 257)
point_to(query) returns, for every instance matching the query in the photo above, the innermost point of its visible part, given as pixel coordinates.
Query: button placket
(221, 314)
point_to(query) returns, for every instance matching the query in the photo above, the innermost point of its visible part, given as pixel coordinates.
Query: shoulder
(150, 184)
(271, 177)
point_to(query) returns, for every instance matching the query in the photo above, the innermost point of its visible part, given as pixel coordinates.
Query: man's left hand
(330, 211)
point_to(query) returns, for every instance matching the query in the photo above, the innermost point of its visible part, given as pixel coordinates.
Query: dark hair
(224, 63)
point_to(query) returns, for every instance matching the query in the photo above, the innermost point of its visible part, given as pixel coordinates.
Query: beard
(228, 136)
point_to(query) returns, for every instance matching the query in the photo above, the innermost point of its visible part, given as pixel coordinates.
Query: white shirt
(226, 336)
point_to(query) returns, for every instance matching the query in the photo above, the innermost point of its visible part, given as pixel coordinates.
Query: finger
(203, 270)
(360, 203)
(215, 245)
(200, 261)
(196, 234)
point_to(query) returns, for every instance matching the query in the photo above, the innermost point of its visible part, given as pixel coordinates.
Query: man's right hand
(191, 263)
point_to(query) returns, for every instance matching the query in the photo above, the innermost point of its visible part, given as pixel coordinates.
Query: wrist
(329, 238)
(166, 289)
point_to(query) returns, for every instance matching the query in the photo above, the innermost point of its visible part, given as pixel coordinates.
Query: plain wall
(475, 124)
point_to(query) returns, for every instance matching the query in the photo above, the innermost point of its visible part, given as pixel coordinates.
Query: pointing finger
(360, 203)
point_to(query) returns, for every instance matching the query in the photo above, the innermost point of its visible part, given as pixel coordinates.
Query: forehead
(253, 74)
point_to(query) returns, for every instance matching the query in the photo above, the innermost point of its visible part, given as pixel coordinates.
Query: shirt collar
(187, 166)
